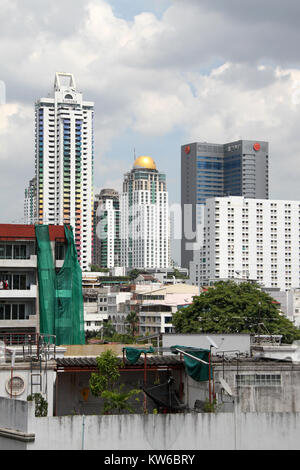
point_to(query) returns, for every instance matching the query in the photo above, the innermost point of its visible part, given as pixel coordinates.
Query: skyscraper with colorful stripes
(64, 162)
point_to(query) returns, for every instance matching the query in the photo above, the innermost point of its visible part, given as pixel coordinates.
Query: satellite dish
(226, 387)
(211, 342)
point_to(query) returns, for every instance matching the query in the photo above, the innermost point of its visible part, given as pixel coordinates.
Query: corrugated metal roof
(92, 361)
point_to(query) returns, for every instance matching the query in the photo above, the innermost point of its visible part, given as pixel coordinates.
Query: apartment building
(19, 299)
(251, 239)
(64, 159)
(106, 250)
(144, 217)
(95, 308)
(155, 306)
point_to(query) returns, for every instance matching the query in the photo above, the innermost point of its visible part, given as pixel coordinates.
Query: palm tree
(108, 329)
(133, 320)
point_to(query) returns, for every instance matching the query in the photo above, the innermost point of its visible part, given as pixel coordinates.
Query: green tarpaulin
(133, 354)
(60, 294)
(195, 369)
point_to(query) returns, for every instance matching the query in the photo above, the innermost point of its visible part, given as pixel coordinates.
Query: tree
(133, 274)
(98, 269)
(228, 307)
(103, 384)
(108, 329)
(133, 320)
(108, 373)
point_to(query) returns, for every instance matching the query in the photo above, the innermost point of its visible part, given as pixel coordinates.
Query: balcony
(30, 262)
(11, 294)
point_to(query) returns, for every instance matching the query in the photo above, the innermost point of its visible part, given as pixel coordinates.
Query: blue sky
(127, 9)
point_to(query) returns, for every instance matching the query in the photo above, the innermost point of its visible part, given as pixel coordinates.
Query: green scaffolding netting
(195, 369)
(133, 354)
(60, 294)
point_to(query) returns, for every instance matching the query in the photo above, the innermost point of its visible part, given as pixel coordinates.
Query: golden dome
(145, 162)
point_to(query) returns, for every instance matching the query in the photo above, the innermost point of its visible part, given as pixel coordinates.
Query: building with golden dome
(145, 162)
(144, 211)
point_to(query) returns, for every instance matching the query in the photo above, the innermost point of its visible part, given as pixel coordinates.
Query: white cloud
(195, 70)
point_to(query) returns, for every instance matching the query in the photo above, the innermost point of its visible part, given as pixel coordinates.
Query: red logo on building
(187, 149)
(256, 147)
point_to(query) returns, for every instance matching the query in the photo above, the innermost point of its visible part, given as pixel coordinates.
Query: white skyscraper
(107, 229)
(30, 215)
(64, 162)
(144, 217)
(254, 239)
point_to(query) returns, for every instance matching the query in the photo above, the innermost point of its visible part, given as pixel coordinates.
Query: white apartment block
(107, 234)
(254, 239)
(117, 311)
(30, 203)
(95, 308)
(64, 162)
(144, 217)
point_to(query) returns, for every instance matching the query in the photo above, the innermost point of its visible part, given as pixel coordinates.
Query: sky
(162, 73)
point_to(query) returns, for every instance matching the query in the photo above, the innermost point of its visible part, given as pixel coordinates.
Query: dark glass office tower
(214, 170)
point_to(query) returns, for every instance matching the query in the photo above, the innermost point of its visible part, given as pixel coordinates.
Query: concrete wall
(22, 370)
(74, 397)
(192, 431)
(225, 342)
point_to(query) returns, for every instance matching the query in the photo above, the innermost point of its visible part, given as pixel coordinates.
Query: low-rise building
(19, 300)
(95, 308)
(156, 307)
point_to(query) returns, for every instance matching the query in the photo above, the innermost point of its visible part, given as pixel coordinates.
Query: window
(258, 380)
(12, 312)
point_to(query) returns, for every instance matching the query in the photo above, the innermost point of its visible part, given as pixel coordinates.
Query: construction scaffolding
(60, 294)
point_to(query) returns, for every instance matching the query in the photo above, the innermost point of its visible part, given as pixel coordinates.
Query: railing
(33, 344)
(17, 338)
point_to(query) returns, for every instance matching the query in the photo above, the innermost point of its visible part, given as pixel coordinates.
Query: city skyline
(153, 98)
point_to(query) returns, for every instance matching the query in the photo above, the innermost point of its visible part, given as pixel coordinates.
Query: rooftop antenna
(134, 154)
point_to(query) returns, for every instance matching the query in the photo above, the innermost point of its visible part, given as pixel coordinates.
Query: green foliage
(133, 274)
(133, 323)
(177, 275)
(95, 268)
(108, 366)
(108, 329)
(122, 338)
(41, 405)
(103, 384)
(89, 334)
(210, 407)
(229, 307)
(118, 401)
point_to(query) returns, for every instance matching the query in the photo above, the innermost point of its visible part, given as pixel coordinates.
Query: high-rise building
(251, 239)
(107, 229)
(210, 170)
(30, 203)
(64, 162)
(144, 217)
